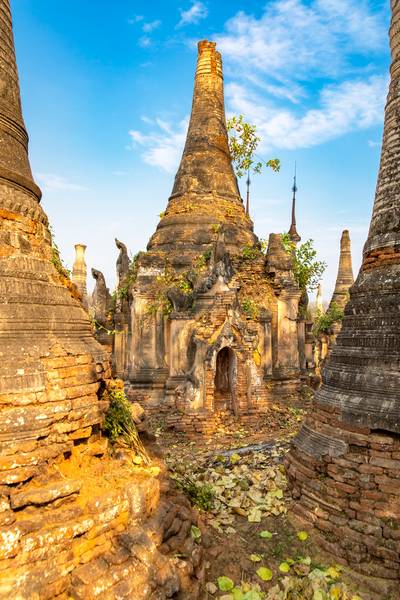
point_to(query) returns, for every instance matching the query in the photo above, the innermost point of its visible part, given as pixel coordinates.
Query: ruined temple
(344, 467)
(74, 522)
(213, 320)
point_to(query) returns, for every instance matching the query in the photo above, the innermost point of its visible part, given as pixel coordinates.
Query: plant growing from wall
(56, 258)
(163, 284)
(324, 321)
(250, 308)
(204, 259)
(123, 290)
(119, 424)
(250, 252)
(306, 268)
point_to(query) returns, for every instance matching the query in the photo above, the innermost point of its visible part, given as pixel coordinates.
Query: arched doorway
(225, 380)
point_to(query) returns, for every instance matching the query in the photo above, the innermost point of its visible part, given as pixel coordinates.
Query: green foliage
(163, 284)
(307, 270)
(250, 308)
(216, 227)
(250, 252)
(119, 424)
(324, 321)
(204, 259)
(264, 245)
(123, 290)
(243, 142)
(56, 258)
(199, 495)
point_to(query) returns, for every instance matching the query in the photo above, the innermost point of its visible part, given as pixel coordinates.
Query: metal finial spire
(294, 188)
(248, 182)
(294, 236)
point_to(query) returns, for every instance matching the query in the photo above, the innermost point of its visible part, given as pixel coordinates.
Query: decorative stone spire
(294, 236)
(205, 192)
(337, 475)
(345, 277)
(79, 272)
(319, 301)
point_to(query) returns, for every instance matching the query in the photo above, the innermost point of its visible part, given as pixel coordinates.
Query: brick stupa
(345, 465)
(214, 321)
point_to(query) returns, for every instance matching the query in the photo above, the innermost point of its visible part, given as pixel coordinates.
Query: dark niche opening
(224, 382)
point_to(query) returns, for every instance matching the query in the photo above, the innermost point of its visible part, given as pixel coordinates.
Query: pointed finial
(294, 236)
(248, 182)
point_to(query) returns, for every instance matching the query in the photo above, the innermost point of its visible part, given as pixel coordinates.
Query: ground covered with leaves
(237, 480)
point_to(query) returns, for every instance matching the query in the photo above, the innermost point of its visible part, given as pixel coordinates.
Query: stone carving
(352, 498)
(100, 298)
(122, 262)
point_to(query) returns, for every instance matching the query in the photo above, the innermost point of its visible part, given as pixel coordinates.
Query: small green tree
(324, 321)
(243, 142)
(307, 270)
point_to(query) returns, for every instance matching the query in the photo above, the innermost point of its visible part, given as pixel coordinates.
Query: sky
(107, 87)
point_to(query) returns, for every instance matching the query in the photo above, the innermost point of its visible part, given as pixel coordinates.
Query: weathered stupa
(214, 321)
(79, 272)
(345, 277)
(50, 362)
(73, 521)
(345, 465)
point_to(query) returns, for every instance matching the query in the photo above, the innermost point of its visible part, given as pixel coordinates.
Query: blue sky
(107, 89)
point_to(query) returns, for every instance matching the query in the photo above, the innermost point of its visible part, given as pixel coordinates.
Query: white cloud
(135, 19)
(52, 182)
(374, 144)
(194, 14)
(349, 106)
(296, 40)
(162, 147)
(144, 41)
(148, 27)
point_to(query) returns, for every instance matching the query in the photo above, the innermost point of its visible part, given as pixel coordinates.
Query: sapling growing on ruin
(306, 268)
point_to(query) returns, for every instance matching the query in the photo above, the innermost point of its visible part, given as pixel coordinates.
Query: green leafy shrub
(307, 270)
(250, 308)
(250, 252)
(204, 259)
(201, 496)
(324, 321)
(119, 424)
(56, 258)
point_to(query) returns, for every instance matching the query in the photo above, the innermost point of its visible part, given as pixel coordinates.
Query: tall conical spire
(294, 236)
(344, 454)
(205, 191)
(345, 277)
(14, 162)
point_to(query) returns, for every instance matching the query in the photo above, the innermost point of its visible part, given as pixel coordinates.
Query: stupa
(344, 467)
(214, 320)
